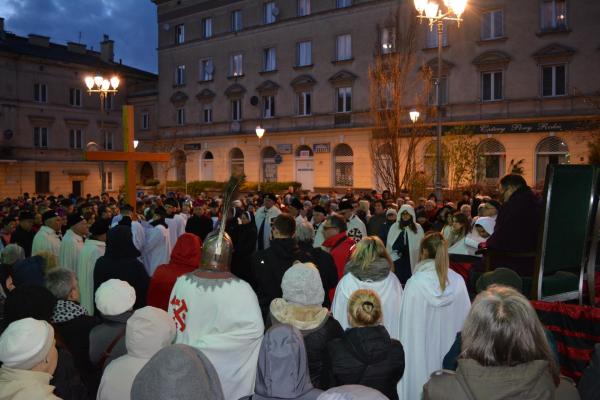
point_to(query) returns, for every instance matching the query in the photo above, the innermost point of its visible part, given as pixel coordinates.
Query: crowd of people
(263, 296)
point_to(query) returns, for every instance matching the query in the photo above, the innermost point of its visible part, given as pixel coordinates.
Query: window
(552, 150)
(40, 137)
(344, 47)
(554, 15)
(344, 99)
(75, 97)
(492, 25)
(108, 140)
(42, 182)
(268, 106)
(269, 167)
(491, 156)
(180, 75)
(181, 116)
(108, 102)
(179, 34)
(236, 65)
(145, 121)
(207, 27)
(343, 3)
(236, 21)
(108, 180)
(40, 92)
(270, 12)
(236, 158)
(206, 69)
(554, 80)
(269, 59)
(343, 160)
(236, 110)
(388, 40)
(304, 53)
(443, 90)
(304, 103)
(432, 37)
(303, 8)
(75, 139)
(207, 114)
(491, 86)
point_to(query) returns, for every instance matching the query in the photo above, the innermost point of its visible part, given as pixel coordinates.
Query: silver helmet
(216, 252)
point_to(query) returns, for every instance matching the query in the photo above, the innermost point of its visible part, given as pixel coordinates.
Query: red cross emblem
(179, 312)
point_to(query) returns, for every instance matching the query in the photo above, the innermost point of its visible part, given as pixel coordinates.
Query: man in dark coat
(268, 266)
(377, 219)
(517, 225)
(23, 235)
(199, 224)
(121, 262)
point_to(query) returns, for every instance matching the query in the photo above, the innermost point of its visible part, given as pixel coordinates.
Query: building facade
(48, 120)
(518, 76)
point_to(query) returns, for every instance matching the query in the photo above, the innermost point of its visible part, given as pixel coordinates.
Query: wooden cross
(128, 155)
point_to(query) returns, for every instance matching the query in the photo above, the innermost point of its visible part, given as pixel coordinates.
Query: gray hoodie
(283, 367)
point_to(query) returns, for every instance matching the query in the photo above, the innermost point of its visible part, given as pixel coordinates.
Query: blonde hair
(364, 308)
(50, 262)
(437, 248)
(368, 250)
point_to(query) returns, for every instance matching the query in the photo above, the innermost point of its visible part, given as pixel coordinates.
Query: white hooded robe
(414, 239)
(70, 247)
(46, 241)
(429, 321)
(91, 251)
(389, 291)
(262, 214)
(157, 249)
(356, 229)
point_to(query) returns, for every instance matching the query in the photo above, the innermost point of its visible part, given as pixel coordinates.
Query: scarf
(66, 310)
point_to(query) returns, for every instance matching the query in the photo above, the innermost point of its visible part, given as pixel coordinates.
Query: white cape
(157, 249)
(356, 229)
(319, 238)
(414, 239)
(70, 247)
(220, 317)
(46, 241)
(262, 214)
(389, 291)
(176, 228)
(91, 251)
(429, 321)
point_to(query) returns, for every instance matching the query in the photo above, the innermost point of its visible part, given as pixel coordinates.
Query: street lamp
(104, 87)
(431, 11)
(136, 143)
(260, 131)
(414, 116)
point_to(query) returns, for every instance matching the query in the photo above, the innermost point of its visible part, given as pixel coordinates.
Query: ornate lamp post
(431, 11)
(104, 87)
(259, 133)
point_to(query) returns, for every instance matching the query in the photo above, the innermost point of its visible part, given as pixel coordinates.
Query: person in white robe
(319, 214)
(46, 240)
(264, 218)
(175, 222)
(218, 313)
(137, 230)
(412, 241)
(356, 228)
(157, 249)
(92, 250)
(72, 242)
(370, 267)
(434, 308)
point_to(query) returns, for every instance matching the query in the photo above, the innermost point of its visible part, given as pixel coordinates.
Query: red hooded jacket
(341, 248)
(185, 258)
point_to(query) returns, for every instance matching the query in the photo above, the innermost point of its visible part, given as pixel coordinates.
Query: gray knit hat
(177, 372)
(301, 284)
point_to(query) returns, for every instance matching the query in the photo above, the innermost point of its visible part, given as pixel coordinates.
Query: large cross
(128, 155)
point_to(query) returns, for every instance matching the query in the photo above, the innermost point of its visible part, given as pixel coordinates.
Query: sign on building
(321, 148)
(192, 146)
(284, 148)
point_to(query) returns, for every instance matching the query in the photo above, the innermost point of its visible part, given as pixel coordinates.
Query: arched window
(304, 151)
(429, 162)
(146, 172)
(491, 161)
(206, 166)
(178, 159)
(209, 156)
(236, 159)
(343, 161)
(552, 150)
(269, 166)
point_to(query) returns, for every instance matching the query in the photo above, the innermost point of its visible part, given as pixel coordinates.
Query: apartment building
(48, 120)
(518, 75)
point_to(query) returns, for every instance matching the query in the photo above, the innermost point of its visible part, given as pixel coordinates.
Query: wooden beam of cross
(128, 155)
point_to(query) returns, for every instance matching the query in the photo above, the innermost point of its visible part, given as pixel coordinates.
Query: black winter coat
(326, 266)
(267, 268)
(23, 239)
(316, 343)
(244, 245)
(120, 262)
(367, 356)
(200, 226)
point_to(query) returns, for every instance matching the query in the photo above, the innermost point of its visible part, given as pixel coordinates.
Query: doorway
(77, 188)
(305, 167)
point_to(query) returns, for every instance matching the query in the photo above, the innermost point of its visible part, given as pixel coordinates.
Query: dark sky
(130, 23)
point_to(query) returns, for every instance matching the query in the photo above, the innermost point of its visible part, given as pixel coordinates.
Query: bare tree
(394, 87)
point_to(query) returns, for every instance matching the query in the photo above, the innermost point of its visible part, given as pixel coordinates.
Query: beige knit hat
(26, 343)
(114, 297)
